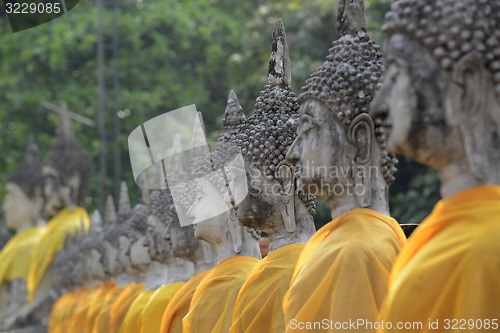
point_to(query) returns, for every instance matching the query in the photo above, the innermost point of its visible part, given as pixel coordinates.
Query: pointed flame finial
(279, 66)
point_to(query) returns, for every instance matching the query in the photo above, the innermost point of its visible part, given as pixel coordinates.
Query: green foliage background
(172, 53)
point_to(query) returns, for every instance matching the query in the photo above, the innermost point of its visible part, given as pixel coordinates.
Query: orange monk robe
(102, 322)
(60, 310)
(211, 308)
(132, 321)
(70, 309)
(122, 304)
(78, 316)
(66, 222)
(450, 268)
(153, 311)
(178, 306)
(258, 307)
(342, 274)
(93, 308)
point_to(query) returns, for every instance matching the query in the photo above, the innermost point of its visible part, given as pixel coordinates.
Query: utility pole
(116, 108)
(102, 105)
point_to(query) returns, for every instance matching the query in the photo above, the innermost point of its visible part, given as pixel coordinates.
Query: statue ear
(469, 94)
(208, 255)
(361, 135)
(285, 176)
(236, 232)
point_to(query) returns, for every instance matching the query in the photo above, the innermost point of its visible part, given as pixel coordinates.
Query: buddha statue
(340, 155)
(23, 209)
(440, 105)
(66, 169)
(273, 205)
(112, 234)
(236, 248)
(167, 240)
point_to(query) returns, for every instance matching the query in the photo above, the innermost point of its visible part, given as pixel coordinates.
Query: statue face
(94, 265)
(56, 194)
(123, 256)
(20, 211)
(207, 197)
(110, 260)
(320, 152)
(184, 243)
(158, 247)
(259, 209)
(414, 105)
(139, 256)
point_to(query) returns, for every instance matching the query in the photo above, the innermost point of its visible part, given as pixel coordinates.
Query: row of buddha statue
(434, 97)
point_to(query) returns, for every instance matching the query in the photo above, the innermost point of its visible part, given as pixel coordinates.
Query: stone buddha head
(440, 100)
(340, 153)
(115, 242)
(133, 254)
(62, 279)
(166, 237)
(273, 203)
(114, 230)
(66, 169)
(91, 255)
(23, 201)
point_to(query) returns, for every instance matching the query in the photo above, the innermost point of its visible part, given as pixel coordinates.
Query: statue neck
(155, 276)
(224, 248)
(204, 258)
(457, 177)
(179, 270)
(304, 228)
(349, 200)
(125, 279)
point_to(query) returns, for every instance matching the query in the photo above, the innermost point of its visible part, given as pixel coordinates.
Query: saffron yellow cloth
(178, 306)
(15, 257)
(103, 319)
(78, 317)
(450, 269)
(95, 304)
(60, 309)
(343, 272)
(69, 308)
(66, 222)
(212, 306)
(153, 311)
(258, 307)
(122, 304)
(132, 321)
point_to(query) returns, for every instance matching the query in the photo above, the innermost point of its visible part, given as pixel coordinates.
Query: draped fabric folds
(102, 322)
(213, 301)
(15, 257)
(121, 305)
(450, 269)
(259, 304)
(178, 306)
(94, 306)
(62, 311)
(66, 222)
(342, 273)
(132, 320)
(153, 311)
